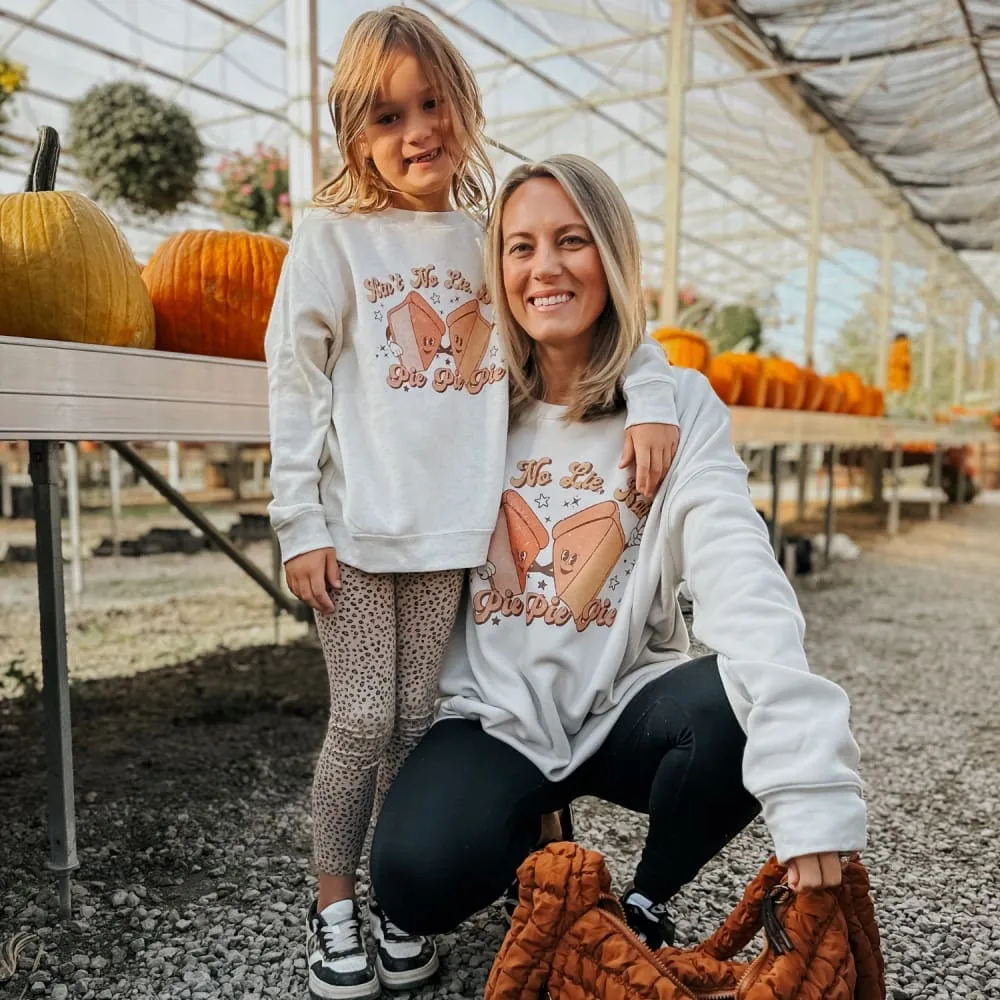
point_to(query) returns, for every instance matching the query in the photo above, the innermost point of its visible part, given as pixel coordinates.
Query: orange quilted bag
(569, 937)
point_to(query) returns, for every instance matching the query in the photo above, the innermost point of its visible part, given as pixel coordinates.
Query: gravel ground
(193, 778)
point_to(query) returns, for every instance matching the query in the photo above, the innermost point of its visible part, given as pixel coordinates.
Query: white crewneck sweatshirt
(575, 610)
(388, 394)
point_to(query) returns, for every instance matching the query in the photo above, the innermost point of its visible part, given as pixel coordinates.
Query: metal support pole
(677, 74)
(935, 507)
(115, 478)
(73, 503)
(885, 300)
(961, 340)
(983, 353)
(803, 481)
(304, 103)
(45, 479)
(831, 462)
(174, 464)
(817, 180)
(930, 335)
(775, 498)
(960, 477)
(218, 539)
(897, 463)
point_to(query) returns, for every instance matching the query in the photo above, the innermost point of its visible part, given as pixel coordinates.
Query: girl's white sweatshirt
(388, 394)
(575, 610)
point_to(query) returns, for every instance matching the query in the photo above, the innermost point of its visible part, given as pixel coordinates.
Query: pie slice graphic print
(417, 329)
(517, 539)
(470, 336)
(585, 549)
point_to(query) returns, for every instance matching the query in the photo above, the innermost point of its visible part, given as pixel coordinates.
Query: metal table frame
(52, 392)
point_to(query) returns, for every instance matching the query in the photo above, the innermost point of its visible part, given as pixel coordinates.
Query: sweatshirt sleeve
(649, 388)
(302, 343)
(801, 761)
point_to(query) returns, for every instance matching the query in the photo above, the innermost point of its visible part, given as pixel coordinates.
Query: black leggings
(464, 811)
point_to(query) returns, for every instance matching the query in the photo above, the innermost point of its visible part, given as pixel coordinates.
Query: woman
(569, 676)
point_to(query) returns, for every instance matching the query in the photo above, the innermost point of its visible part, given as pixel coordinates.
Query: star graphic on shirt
(576, 501)
(494, 351)
(541, 501)
(628, 572)
(496, 621)
(383, 350)
(548, 520)
(406, 388)
(566, 503)
(435, 298)
(614, 582)
(378, 315)
(541, 583)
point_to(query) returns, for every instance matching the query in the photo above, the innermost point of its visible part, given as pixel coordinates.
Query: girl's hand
(814, 871)
(652, 448)
(311, 575)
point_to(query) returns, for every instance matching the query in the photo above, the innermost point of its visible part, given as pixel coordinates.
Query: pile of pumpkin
(776, 383)
(70, 275)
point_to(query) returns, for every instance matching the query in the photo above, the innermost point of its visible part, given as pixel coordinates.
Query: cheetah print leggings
(383, 646)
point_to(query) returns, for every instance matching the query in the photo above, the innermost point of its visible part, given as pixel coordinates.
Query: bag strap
(739, 928)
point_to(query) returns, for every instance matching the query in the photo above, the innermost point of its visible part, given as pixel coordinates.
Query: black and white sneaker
(339, 967)
(403, 961)
(510, 898)
(647, 919)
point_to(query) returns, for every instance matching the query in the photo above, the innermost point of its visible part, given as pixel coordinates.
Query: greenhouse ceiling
(884, 113)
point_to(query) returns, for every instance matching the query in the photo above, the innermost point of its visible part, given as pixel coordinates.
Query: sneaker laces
(340, 938)
(394, 931)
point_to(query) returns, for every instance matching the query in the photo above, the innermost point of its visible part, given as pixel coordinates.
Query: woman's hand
(814, 871)
(652, 448)
(311, 575)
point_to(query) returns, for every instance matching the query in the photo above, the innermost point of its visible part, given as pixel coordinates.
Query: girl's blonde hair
(621, 326)
(371, 41)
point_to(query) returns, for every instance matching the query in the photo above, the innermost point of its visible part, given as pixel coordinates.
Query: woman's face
(552, 273)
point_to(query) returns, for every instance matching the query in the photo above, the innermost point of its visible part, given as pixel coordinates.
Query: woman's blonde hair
(621, 326)
(371, 41)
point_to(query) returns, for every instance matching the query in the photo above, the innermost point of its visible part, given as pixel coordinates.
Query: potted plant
(254, 191)
(135, 148)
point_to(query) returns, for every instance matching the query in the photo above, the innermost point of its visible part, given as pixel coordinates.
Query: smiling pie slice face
(517, 539)
(470, 336)
(585, 549)
(417, 329)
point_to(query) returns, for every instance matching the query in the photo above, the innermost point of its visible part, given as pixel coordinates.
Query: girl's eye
(387, 119)
(431, 104)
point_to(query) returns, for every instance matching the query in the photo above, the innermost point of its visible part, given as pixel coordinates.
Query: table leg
(45, 481)
(775, 500)
(897, 462)
(935, 511)
(831, 461)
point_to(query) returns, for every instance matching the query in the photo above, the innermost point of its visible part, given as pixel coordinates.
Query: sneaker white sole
(324, 991)
(404, 980)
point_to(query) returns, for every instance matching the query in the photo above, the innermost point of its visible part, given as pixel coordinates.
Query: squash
(213, 290)
(726, 377)
(815, 390)
(65, 268)
(900, 364)
(853, 389)
(834, 397)
(685, 348)
(753, 380)
(873, 402)
(793, 387)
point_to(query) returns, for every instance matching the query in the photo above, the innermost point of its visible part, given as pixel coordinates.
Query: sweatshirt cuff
(303, 533)
(816, 820)
(651, 401)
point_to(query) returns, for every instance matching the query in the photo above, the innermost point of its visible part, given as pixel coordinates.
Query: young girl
(388, 410)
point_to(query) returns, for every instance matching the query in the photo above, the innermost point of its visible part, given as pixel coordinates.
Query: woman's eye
(573, 241)
(517, 248)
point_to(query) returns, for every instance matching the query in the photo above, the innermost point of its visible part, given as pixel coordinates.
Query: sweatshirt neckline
(449, 217)
(547, 411)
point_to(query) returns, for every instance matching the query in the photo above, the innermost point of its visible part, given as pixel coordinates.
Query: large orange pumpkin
(685, 348)
(726, 377)
(900, 365)
(793, 386)
(834, 397)
(853, 389)
(212, 291)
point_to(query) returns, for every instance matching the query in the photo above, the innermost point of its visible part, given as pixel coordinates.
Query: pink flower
(268, 184)
(283, 198)
(246, 190)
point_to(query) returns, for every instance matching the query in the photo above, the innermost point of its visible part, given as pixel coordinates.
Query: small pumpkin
(853, 389)
(753, 379)
(685, 348)
(900, 364)
(213, 290)
(65, 268)
(834, 397)
(815, 390)
(726, 377)
(873, 402)
(793, 387)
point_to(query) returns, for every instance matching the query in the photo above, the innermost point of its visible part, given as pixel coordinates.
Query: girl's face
(552, 272)
(408, 137)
